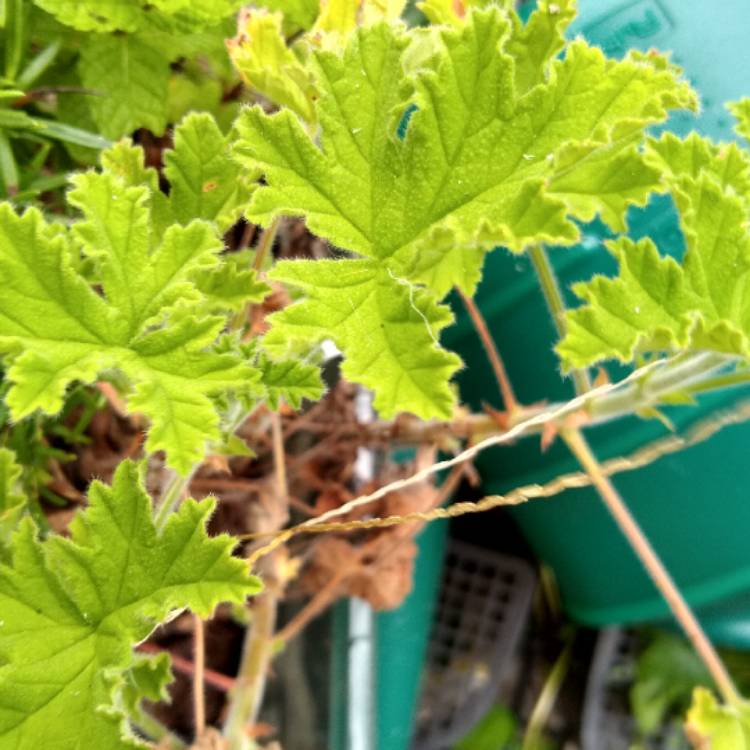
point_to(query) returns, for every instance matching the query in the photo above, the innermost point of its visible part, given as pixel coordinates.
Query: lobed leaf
(424, 167)
(12, 503)
(154, 319)
(129, 77)
(387, 327)
(656, 304)
(261, 56)
(717, 727)
(205, 182)
(73, 609)
(117, 15)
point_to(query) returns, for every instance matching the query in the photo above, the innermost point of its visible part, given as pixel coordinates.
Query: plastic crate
(483, 608)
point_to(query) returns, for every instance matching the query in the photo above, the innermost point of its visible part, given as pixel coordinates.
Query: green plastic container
(402, 639)
(693, 505)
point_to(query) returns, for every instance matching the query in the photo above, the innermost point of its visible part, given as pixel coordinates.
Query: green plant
(413, 153)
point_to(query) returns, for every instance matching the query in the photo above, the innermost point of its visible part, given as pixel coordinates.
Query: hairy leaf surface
(129, 76)
(12, 502)
(152, 320)
(656, 303)
(387, 327)
(73, 609)
(493, 152)
(131, 15)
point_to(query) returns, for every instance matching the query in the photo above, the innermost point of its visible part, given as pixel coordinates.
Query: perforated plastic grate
(607, 723)
(483, 607)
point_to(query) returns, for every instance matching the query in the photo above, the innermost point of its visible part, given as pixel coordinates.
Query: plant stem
(155, 730)
(265, 243)
(8, 167)
(546, 701)
(553, 295)
(741, 377)
(199, 663)
(176, 487)
(279, 462)
(498, 367)
(251, 679)
(258, 648)
(684, 373)
(654, 566)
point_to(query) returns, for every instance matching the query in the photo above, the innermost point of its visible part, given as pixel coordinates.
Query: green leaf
(711, 726)
(233, 284)
(130, 76)
(205, 182)
(73, 609)
(480, 164)
(741, 110)
(676, 158)
(131, 15)
(151, 322)
(12, 503)
(298, 14)
(267, 65)
(667, 672)
(656, 304)
(496, 730)
(388, 328)
(539, 40)
(95, 15)
(290, 380)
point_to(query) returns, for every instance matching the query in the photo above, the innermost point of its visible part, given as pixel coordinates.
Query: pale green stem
(688, 372)
(176, 488)
(546, 701)
(258, 647)
(556, 304)
(155, 730)
(265, 243)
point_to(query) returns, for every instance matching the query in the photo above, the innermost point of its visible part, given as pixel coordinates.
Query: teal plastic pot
(692, 505)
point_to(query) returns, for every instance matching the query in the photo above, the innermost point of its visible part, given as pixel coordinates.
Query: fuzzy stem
(250, 684)
(654, 566)
(258, 648)
(265, 243)
(155, 730)
(687, 372)
(553, 295)
(199, 662)
(174, 491)
(498, 367)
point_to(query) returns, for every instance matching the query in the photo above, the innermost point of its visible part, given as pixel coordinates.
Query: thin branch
(279, 458)
(320, 601)
(654, 566)
(199, 662)
(174, 491)
(488, 343)
(467, 455)
(185, 666)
